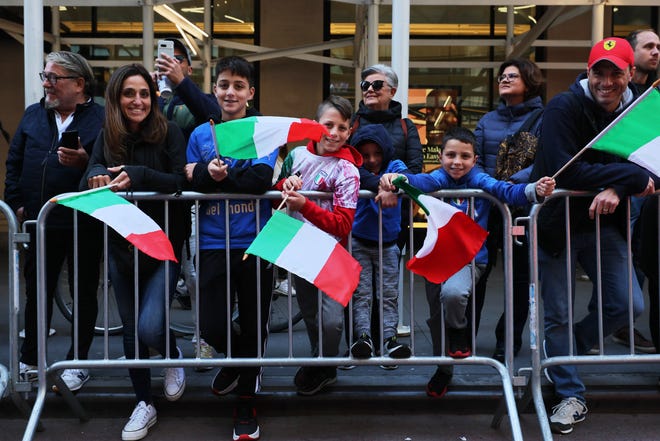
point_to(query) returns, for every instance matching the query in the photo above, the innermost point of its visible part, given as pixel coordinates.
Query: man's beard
(645, 71)
(52, 104)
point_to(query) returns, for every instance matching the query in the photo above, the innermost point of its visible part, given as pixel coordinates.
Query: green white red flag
(635, 134)
(452, 237)
(310, 253)
(123, 217)
(258, 136)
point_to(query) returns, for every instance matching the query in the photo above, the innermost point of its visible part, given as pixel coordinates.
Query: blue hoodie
(365, 225)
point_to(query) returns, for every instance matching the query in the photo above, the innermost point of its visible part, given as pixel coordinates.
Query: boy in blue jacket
(375, 145)
(458, 159)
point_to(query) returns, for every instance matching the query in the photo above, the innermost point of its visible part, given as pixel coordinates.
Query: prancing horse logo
(609, 45)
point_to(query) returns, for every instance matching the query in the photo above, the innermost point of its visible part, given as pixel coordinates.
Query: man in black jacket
(38, 168)
(570, 121)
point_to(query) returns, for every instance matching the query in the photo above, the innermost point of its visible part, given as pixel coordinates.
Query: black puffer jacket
(158, 168)
(34, 174)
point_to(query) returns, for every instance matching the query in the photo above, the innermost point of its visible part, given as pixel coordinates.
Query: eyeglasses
(180, 58)
(508, 76)
(53, 78)
(376, 85)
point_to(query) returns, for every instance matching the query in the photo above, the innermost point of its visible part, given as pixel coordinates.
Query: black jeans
(60, 247)
(213, 313)
(647, 229)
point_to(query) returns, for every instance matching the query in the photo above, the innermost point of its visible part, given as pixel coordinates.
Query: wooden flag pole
(215, 141)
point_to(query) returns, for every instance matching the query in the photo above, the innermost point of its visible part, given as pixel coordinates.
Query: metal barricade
(10, 382)
(539, 361)
(292, 357)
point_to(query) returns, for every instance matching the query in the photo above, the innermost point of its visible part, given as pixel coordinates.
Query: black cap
(181, 48)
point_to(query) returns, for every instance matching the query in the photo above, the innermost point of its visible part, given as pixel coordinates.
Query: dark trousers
(215, 317)
(520, 262)
(648, 260)
(60, 247)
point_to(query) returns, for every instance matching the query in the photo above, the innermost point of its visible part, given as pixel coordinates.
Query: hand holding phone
(70, 139)
(164, 84)
(69, 153)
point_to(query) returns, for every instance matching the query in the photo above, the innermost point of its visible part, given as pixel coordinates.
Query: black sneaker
(347, 367)
(499, 355)
(459, 346)
(437, 385)
(394, 349)
(363, 348)
(311, 379)
(225, 381)
(246, 426)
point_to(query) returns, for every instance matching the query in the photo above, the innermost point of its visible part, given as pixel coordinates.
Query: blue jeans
(367, 256)
(554, 281)
(150, 317)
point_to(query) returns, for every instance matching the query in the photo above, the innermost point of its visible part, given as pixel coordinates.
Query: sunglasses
(180, 58)
(376, 85)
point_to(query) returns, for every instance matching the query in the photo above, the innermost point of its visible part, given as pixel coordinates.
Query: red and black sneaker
(459, 343)
(246, 426)
(437, 385)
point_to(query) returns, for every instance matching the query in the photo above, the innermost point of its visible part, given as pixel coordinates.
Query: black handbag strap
(530, 121)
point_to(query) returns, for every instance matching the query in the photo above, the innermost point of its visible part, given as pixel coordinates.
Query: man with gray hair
(39, 167)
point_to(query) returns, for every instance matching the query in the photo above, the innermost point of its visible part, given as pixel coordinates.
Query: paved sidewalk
(367, 403)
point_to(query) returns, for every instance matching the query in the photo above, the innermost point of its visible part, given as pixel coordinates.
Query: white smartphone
(166, 47)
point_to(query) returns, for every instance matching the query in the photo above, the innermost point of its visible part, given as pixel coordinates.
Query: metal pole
(148, 34)
(597, 22)
(55, 22)
(372, 32)
(33, 49)
(208, 48)
(401, 50)
(510, 23)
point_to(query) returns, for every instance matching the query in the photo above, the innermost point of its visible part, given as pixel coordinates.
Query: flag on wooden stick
(310, 253)
(452, 237)
(123, 217)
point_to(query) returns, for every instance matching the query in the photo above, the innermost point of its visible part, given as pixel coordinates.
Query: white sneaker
(74, 379)
(283, 288)
(175, 381)
(142, 418)
(51, 332)
(570, 411)
(27, 372)
(546, 372)
(205, 352)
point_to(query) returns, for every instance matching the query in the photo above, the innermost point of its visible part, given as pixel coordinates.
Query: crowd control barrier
(49, 370)
(539, 361)
(10, 382)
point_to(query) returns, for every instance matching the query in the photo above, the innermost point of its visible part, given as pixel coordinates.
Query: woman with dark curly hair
(520, 85)
(139, 150)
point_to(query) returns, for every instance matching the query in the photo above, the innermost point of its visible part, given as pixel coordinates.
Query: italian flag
(123, 217)
(635, 134)
(310, 253)
(452, 238)
(258, 136)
